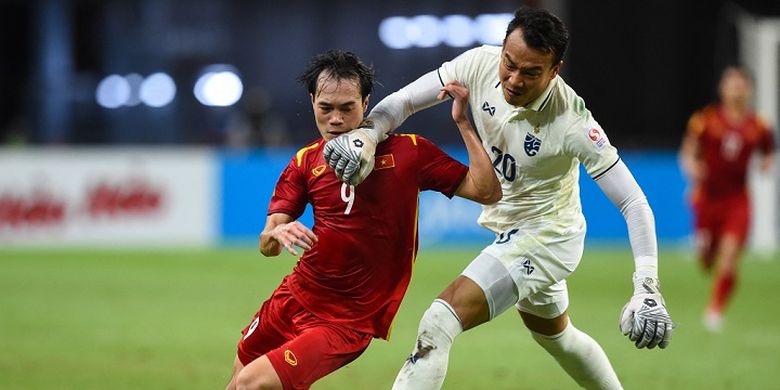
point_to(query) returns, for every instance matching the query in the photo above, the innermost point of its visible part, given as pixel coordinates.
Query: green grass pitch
(170, 319)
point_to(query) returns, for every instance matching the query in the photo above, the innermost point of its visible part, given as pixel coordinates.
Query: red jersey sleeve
(290, 196)
(696, 124)
(437, 170)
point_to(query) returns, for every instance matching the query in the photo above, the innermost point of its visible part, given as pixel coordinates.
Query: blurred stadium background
(140, 141)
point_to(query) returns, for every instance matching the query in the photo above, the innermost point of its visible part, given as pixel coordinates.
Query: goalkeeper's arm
(624, 192)
(351, 155)
(393, 110)
(644, 319)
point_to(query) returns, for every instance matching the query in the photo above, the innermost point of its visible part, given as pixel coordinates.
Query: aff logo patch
(488, 108)
(531, 144)
(290, 358)
(597, 137)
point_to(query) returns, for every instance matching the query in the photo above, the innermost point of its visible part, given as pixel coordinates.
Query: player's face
(338, 106)
(735, 89)
(524, 72)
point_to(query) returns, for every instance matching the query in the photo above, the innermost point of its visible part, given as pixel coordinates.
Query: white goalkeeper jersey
(536, 150)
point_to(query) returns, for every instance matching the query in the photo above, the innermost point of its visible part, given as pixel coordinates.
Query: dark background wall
(642, 67)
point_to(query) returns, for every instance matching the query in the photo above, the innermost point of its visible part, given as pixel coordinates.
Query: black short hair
(339, 65)
(541, 30)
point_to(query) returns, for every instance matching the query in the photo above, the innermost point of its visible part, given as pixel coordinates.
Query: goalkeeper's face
(338, 106)
(524, 72)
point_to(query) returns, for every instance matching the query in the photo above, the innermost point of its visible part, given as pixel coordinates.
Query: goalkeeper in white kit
(537, 132)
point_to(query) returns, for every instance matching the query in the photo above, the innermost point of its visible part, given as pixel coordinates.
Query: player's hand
(644, 318)
(351, 155)
(460, 105)
(292, 234)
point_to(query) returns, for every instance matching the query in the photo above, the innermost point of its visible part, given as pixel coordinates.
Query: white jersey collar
(540, 102)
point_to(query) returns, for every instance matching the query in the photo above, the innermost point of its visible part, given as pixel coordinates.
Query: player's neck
(735, 113)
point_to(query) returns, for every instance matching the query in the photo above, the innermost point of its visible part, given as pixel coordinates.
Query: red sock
(722, 290)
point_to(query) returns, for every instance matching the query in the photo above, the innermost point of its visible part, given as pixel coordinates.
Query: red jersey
(726, 148)
(358, 271)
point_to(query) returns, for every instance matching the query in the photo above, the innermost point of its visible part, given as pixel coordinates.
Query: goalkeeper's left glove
(351, 155)
(644, 318)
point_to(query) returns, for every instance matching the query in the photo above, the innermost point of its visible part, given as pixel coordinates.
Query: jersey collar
(539, 103)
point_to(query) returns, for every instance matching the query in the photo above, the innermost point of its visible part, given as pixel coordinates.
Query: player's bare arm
(480, 183)
(282, 231)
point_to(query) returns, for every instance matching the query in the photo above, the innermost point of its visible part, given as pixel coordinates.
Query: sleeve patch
(597, 138)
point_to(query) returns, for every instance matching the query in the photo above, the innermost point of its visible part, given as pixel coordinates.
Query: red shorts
(718, 217)
(302, 347)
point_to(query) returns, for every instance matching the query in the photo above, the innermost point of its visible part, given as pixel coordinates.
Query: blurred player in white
(537, 131)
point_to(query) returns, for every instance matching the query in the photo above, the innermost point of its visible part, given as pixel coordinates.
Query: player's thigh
(521, 263)
(319, 350)
(270, 327)
(469, 300)
(545, 311)
(704, 231)
(259, 374)
(538, 257)
(484, 289)
(736, 220)
(549, 302)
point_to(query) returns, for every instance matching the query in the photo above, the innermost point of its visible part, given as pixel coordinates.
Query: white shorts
(527, 268)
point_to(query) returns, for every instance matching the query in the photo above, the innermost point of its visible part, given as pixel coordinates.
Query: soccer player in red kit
(715, 155)
(346, 288)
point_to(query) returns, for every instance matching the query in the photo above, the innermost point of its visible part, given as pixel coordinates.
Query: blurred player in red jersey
(715, 155)
(346, 288)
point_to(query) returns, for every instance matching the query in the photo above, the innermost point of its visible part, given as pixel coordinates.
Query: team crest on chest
(531, 144)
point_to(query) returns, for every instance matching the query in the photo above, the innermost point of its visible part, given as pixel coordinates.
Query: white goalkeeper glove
(644, 318)
(351, 155)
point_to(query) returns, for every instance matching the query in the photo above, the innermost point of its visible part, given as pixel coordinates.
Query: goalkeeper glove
(351, 155)
(644, 318)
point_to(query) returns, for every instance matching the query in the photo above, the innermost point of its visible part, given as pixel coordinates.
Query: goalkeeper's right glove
(351, 155)
(644, 318)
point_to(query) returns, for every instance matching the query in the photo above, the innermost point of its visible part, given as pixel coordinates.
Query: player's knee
(257, 381)
(468, 302)
(545, 326)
